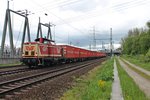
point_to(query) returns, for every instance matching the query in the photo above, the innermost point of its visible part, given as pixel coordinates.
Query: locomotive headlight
(36, 53)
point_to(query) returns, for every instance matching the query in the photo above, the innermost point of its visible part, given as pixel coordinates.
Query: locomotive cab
(35, 53)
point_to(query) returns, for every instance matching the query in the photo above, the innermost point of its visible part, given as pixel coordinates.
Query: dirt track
(144, 84)
(139, 68)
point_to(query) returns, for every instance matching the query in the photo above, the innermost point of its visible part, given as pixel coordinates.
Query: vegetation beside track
(9, 65)
(96, 85)
(137, 42)
(137, 46)
(138, 60)
(129, 88)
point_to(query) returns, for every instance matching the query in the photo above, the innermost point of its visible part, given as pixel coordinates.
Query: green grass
(90, 87)
(6, 65)
(138, 60)
(129, 88)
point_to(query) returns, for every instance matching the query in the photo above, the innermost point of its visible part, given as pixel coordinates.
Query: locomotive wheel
(31, 66)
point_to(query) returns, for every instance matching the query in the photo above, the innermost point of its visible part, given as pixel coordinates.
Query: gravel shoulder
(138, 67)
(144, 84)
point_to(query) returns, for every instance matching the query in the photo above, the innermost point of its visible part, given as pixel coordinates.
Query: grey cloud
(85, 5)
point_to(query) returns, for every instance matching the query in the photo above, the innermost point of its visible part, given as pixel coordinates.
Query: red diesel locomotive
(44, 52)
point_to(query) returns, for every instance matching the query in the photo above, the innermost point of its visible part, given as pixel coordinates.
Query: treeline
(137, 42)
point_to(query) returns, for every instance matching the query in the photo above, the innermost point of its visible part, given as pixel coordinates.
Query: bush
(147, 57)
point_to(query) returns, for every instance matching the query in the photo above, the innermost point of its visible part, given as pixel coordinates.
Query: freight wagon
(44, 52)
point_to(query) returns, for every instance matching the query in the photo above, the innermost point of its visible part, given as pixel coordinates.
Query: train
(44, 52)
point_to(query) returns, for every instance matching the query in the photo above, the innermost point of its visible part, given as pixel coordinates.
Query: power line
(115, 8)
(52, 6)
(118, 7)
(58, 17)
(62, 19)
(63, 4)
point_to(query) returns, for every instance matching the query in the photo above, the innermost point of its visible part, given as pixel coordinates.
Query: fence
(8, 58)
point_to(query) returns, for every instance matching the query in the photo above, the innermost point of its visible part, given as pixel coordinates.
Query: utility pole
(111, 41)
(7, 22)
(26, 28)
(39, 31)
(103, 47)
(94, 40)
(68, 38)
(54, 31)
(90, 45)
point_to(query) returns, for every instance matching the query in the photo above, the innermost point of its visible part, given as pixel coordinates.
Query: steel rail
(6, 87)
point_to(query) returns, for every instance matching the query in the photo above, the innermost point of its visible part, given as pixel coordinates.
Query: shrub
(147, 57)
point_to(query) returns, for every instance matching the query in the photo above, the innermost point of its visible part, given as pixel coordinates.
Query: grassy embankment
(7, 65)
(96, 85)
(129, 88)
(138, 60)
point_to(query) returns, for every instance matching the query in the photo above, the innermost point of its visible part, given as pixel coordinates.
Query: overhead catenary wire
(60, 18)
(127, 5)
(95, 14)
(56, 5)
(69, 25)
(115, 8)
(62, 4)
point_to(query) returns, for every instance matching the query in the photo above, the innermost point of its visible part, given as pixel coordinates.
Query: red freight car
(45, 52)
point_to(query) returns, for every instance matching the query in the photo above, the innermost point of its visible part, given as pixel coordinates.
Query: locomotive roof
(38, 39)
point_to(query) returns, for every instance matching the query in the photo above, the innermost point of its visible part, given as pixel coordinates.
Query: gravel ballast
(52, 89)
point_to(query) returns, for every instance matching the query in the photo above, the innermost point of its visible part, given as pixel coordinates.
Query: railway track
(9, 87)
(20, 70)
(7, 67)
(14, 71)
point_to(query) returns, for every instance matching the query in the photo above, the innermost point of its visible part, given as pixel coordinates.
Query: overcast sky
(75, 19)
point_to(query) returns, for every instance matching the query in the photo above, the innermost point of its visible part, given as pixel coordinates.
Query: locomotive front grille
(29, 53)
(29, 50)
(32, 53)
(26, 53)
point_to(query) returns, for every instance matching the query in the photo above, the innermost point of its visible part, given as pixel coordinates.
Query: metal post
(49, 35)
(111, 41)
(94, 40)
(7, 20)
(7, 4)
(90, 45)
(23, 37)
(4, 34)
(26, 26)
(10, 34)
(54, 32)
(39, 29)
(28, 29)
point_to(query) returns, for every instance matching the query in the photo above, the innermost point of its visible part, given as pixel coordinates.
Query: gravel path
(116, 88)
(144, 84)
(138, 67)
